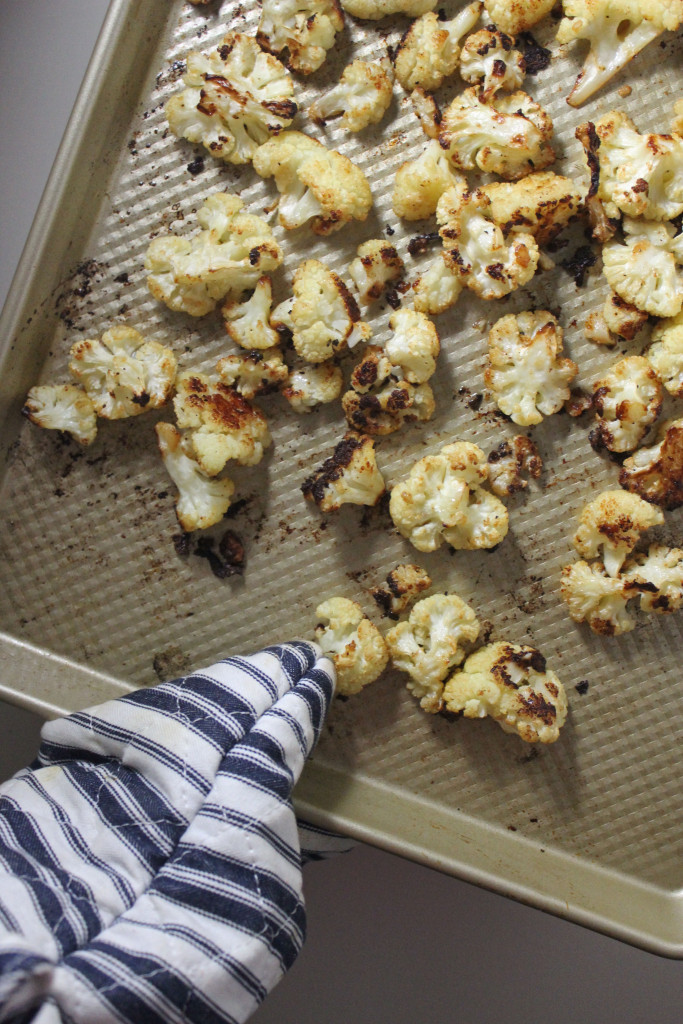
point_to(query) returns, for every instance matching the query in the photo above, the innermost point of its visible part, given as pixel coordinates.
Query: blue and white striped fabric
(150, 862)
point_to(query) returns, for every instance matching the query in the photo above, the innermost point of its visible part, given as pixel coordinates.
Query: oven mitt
(150, 860)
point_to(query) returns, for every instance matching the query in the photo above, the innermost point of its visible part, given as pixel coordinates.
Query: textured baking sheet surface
(89, 569)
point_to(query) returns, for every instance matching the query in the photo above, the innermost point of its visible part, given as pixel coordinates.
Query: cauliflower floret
(420, 183)
(659, 575)
(234, 99)
(300, 32)
(234, 250)
(665, 354)
(349, 477)
(202, 500)
(656, 472)
(222, 424)
(373, 10)
(315, 184)
(510, 135)
(438, 288)
(309, 386)
(428, 52)
(489, 59)
(613, 521)
(526, 374)
(476, 249)
(62, 407)
(429, 645)
(247, 321)
(627, 401)
(377, 264)
(515, 16)
(373, 370)
(617, 30)
(361, 96)
(322, 315)
(635, 174)
(643, 270)
(539, 204)
(355, 645)
(615, 317)
(413, 345)
(384, 412)
(512, 684)
(123, 374)
(509, 461)
(600, 600)
(443, 499)
(255, 373)
(402, 586)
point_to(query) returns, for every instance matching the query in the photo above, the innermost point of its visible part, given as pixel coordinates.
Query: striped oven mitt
(150, 861)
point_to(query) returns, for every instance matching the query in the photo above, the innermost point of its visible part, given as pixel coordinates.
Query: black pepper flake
(181, 543)
(196, 166)
(121, 278)
(582, 687)
(579, 263)
(390, 231)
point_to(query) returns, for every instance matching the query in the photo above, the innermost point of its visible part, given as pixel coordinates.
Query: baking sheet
(589, 827)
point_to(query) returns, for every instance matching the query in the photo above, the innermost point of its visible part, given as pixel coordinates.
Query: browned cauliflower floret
(509, 461)
(247, 320)
(354, 644)
(300, 32)
(428, 51)
(360, 98)
(512, 684)
(402, 586)
(656, 472)
(616, 317)
(254, 373)
(613, 522)
(443, 499)
(202, 500)
(514, 16)
(644, 270)
(63, 407)
(438, 288)
(659, 576)
(222, 424)
(322, 314)
(540, 204)
(385, 411)
(122, 373)
(420, 183)
(598, 599)
(526, 374)
(377, 264)
(627, 401)
(490, 60)
(316, 184)
(234, 99)
(312, 384)
(413, 345)
(429, 644)
(350, 476)
(665, 354)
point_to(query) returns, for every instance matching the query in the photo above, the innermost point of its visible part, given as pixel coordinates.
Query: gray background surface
(388, 941)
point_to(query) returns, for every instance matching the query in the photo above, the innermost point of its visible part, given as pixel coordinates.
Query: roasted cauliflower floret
(247, 320)
(515, 16)
(402, 586)
(428, 52)
(373, 370)
(540, 204)
(316, 184)
(510, 135)
(429, 644)
(659, 576)
(373, 10)
(475, 248)
(385, 411)
(665, 354)
(600, 600)
(354, 644)
(616, 317)
(489, 59)
(222, 424)
(438, 288)
(413, 345)
(526, 373)
(300, 32)
(122, 373)
(234, 99)
(322, 314)
(63, 407)
(617, 30)
(420, 183)
(611, 525)
(202, 500)
(644, 270)
(627, 401)
(443, 500)
(361, 96)
(350, 476)
(310, 385)
(656, 472)
(377, 264)
(512, 684)
(226, 258)
(509, 462)
(254, 373)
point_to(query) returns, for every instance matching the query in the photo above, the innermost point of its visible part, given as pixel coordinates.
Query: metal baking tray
(95, 599)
